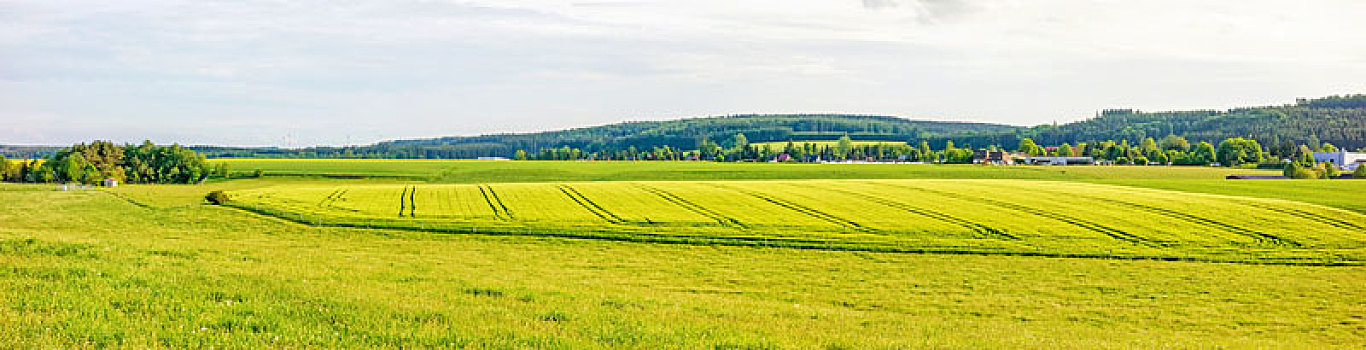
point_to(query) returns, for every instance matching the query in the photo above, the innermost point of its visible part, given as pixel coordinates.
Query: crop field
(954, 216)
(1346, 194)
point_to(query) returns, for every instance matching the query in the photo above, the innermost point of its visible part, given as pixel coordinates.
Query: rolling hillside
(687, 133)
(1339, 120)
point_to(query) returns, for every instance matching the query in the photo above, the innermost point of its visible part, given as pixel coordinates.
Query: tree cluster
(92, 163)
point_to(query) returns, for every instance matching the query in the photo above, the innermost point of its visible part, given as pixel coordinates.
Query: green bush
(217, 197)
(1331, 171)
(1360, 173)
(1295, 171)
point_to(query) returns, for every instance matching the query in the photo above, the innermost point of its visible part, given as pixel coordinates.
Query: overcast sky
(301, 73)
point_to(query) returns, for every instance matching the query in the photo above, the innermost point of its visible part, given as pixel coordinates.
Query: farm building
(992, 157)
(1059, 160)
(111, 182)
(1345, 160)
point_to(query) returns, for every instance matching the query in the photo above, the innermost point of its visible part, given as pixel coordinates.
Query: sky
(306, 73)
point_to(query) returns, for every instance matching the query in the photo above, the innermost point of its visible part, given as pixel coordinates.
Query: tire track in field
(412, 202)
(692, 207)
(589, 205)
(984, 230)
(500, 211)
(1092, 226)
(1331, 221)
(402, 201)
(333, 198)
(805, 210)
(1200, 221)
(325, 202)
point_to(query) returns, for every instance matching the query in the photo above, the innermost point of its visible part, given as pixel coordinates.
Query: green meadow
(364, 254)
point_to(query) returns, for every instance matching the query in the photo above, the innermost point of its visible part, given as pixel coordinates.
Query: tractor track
(1092, 226)
(589, 205)
(984, 230)
(692, 207)
(805, 210)
(403, 201)
(1309, 216)
(412, 202)
(495, 203)
(1226, 227)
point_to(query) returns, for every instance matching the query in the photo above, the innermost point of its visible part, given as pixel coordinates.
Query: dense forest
(1338, 120)
(685, 134)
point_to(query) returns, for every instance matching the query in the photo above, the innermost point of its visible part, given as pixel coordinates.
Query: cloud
(878, 4)
(318, 71)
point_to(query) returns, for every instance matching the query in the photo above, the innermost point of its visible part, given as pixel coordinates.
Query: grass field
(153, 266)
(171, 275)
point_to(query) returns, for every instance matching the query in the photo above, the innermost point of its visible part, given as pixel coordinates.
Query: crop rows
(989, 216)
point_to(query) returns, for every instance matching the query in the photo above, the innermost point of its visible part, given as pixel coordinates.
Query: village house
(1060, 160)
(992, 157)
(1343, 160)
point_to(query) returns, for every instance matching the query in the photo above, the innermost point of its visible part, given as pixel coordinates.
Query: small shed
(111, 182)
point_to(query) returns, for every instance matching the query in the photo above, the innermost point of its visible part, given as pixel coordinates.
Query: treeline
(1170, 150)
(92, 163)
(741, 150)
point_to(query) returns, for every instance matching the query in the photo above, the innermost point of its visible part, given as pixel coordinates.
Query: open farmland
(381, 256)
(952, 216)
(152, 267)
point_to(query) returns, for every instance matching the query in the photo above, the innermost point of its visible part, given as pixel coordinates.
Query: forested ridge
(683, 134)
(1338, 120)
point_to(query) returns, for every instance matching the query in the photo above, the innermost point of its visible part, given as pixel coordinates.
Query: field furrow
(1082, 223)
(689, 206)
(1197, 220)
(983, 230)
(804, 210)
(589, 205)
(985, 216)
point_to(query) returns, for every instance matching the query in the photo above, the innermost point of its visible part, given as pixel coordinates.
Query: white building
(1344, 160)
(1059, 160)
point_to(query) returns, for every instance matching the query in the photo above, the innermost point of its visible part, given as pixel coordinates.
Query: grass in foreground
(86, 268)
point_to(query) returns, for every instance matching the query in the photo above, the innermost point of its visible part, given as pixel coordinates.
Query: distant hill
(684, 134)
(1340, 120)
(27, 152)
